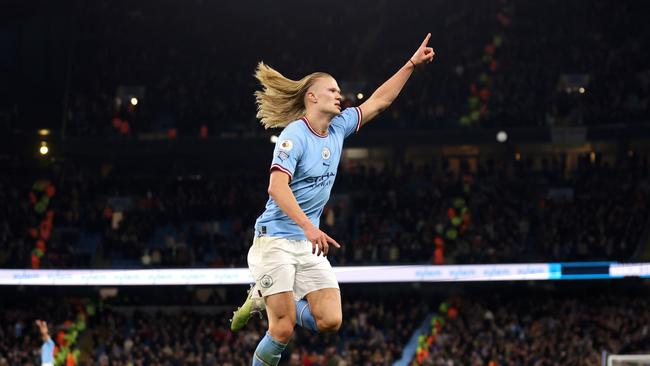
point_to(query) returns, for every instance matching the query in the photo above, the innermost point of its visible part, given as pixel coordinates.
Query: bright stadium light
(502, 136)
(581, 90)
(274, 139)
(359, 96)
(134, 101)
(43, 149)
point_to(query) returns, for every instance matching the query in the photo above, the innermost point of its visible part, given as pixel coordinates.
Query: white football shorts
(281, 265)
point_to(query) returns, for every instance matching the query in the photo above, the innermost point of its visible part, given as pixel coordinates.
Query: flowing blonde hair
(281, 99)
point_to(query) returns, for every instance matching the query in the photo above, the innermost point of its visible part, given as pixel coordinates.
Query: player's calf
(324, 322)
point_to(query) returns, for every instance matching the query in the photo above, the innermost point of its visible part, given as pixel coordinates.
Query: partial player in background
(47, 349)
(297, 284)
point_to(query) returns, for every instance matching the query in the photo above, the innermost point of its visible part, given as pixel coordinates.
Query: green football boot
(253, 305)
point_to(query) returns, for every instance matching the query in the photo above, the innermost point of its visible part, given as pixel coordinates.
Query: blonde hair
(281, 99)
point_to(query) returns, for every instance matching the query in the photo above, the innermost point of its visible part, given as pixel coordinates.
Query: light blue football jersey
(311, 161)
(47, 352)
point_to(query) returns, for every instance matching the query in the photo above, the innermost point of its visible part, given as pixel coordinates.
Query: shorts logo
(286, 145)
(266, 281)
(326, 153)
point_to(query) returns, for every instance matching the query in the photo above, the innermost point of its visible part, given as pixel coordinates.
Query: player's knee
(282, 330)
(329, 324)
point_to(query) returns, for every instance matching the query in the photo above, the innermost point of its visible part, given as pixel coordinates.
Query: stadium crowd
(392, 216)
(15, 216)
(20, 340)
(192, 338)
(543, 330)
(519, 63)
(503, 328)
(19, 344)
(196, 71)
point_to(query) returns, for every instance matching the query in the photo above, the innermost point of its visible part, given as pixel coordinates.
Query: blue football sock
(268, 352)
(304, 317)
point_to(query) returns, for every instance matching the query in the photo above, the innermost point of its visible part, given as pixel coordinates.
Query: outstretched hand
(42, 327)
(423, 54)
(320, 241)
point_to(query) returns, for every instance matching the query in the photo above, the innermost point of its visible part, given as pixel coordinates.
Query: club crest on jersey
(326, 153)
(286, 145)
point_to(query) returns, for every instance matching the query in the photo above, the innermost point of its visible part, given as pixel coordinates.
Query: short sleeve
(288, 150)
(47, 351)
(349, 120)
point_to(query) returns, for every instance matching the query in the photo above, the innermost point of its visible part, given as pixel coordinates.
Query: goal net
(628, 360)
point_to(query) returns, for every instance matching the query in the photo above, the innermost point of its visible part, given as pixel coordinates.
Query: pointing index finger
(334, 242)
(426, 40)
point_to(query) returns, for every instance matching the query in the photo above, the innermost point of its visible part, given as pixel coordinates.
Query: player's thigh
(281, 307)
(316, 281)
(325, 305)
(281, 312)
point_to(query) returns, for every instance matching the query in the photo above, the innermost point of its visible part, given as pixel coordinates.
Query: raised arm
(42, 327)
(384, 96)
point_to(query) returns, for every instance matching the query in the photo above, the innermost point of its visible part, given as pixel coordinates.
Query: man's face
(327, 95)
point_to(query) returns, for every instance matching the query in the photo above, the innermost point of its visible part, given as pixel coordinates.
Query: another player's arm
(281, 193)
(384, 96)
(42, 327)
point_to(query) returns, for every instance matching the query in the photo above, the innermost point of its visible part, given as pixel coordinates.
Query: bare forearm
(384, 96)
(389, 90)
(281, 193)
(284, 198)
